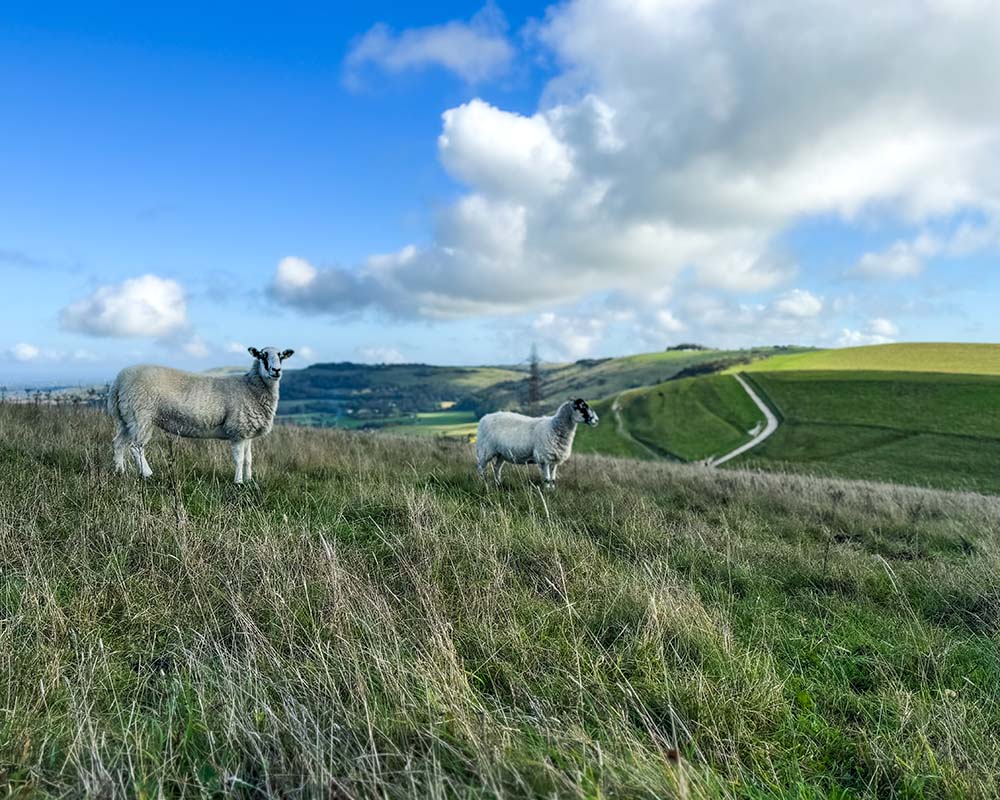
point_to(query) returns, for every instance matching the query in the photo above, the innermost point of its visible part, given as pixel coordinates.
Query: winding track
(771, 427)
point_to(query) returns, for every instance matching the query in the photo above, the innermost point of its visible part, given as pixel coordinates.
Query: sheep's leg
(120, 446)
(146, 471)
(139, 455)
(553, 475)
(546, 471)
(497, 469)
(237, 450)
(247, 460)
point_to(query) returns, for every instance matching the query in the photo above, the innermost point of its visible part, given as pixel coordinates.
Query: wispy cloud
(380, 355)
(476, 50)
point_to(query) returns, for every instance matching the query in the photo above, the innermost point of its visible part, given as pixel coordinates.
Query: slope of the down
(922, 428)
(943, 357)
(373, 621)
(688, 419)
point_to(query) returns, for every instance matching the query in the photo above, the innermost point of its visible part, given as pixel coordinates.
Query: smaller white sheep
(238, 408)
(547, 441)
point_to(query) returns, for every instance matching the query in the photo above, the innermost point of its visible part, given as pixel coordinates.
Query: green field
(388, 396)
(942, 357)
(932, 429)
(912, 426)
(594, 379)
(372, 620)
(688, 420)
(605, 439)
(437, 423)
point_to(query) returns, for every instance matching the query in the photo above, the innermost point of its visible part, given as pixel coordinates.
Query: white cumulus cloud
(882, 327)
(28, 353)
(677, 141)
(568, 337)
(144, 306)
(902, 259)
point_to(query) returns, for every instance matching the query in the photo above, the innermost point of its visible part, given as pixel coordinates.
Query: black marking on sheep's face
(586, 413)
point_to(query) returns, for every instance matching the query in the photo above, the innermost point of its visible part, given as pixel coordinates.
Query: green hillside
(371, 620)
(933, 429)
(976, 359)
(398, 397)
(607, 438)
(688, 420)
(913, 426)
(352, 395)
(600, 378)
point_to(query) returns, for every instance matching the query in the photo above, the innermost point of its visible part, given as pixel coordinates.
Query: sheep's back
(511, 435)
(180, 402)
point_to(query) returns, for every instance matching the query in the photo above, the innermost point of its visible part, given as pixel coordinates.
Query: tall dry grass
(371, 621)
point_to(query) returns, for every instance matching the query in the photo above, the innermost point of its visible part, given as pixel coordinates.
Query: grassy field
(371, 621)
(693, 418)
(437, 423)
(688, 420)
(347, 395)
(595, 379)
(606, 438)
(930, 429)
(943, 357)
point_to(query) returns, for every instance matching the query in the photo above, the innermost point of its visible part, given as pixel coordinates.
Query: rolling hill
(685, 420)
(912, 427)
(837, 418)
(401, 396)
(352, 395)
(601, 378)
(944, 357)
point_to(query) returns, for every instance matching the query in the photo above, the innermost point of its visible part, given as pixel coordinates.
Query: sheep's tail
(113, 409)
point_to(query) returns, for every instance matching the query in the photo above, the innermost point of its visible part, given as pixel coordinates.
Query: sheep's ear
(254, 352)
(286, 354)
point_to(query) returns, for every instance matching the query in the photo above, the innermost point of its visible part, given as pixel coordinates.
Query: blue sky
(448, 183)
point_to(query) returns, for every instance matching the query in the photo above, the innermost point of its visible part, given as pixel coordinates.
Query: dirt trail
(769, 428)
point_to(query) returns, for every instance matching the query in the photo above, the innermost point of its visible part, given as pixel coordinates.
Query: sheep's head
(268, 363)
(584, 413)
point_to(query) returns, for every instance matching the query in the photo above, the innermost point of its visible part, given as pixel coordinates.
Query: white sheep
(238, 408)
(547, 441)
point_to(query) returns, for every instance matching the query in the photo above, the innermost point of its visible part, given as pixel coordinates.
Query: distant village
(80, 396)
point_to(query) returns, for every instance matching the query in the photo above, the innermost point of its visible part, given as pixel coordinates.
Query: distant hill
(975, 359)
(345, 393)
(683, 420)
(594, 379)
(931, 421)
(392, 395)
